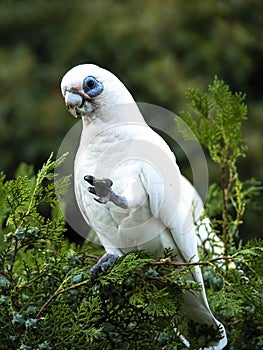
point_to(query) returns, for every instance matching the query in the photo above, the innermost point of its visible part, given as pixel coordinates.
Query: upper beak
(73, 100)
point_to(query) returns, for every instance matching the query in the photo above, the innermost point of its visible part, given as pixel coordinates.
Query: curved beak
(73, 100)
(78, 103)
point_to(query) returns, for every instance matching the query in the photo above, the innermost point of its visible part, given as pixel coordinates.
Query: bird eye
(92, 86)
(89, 83)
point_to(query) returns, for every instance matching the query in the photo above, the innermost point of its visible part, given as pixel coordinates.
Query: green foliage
(239, 302)
(220, 117)
(47, 299)
(216, 120)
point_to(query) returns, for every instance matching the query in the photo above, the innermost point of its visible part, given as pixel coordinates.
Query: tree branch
(57, 292)
(168, 261)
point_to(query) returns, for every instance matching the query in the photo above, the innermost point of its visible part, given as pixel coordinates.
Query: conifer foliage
(48, 301)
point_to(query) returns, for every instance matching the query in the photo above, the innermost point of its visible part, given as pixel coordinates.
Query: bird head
(87, 88)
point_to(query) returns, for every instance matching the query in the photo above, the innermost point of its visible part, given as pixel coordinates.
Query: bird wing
(170, 202)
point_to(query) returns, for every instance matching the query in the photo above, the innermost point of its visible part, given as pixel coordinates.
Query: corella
(128, 185)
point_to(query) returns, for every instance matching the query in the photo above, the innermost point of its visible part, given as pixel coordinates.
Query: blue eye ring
(92, 86)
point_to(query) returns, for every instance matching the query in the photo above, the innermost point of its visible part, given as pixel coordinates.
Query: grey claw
(92, 190)
(102, 189)
(104, 263)
(90, 179)
(101, 200)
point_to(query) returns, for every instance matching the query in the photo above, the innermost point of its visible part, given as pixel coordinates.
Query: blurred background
(157, 48)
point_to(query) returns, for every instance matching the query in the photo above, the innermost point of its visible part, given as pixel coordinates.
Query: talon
(90, 179)
(92, 190)
(101, 200)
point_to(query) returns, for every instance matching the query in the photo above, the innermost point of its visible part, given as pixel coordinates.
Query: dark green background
(157, 48)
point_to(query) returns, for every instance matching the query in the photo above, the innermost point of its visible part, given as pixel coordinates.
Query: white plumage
(116, 143)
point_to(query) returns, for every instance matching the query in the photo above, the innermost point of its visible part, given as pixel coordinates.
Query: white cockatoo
(141, 199)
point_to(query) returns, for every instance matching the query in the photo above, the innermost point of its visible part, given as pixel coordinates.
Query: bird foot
(102, 189)
(104, 263)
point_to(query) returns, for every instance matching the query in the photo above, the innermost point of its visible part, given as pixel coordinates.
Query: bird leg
(102, 189)
(104, 263)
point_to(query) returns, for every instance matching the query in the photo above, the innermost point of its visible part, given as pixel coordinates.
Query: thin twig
(168, 261)
(57, 292)
(12, 263)
(92, 256)
(5, 275)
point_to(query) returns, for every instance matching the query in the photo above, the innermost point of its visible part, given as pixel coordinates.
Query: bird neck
(112, 124)
(109, 115)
